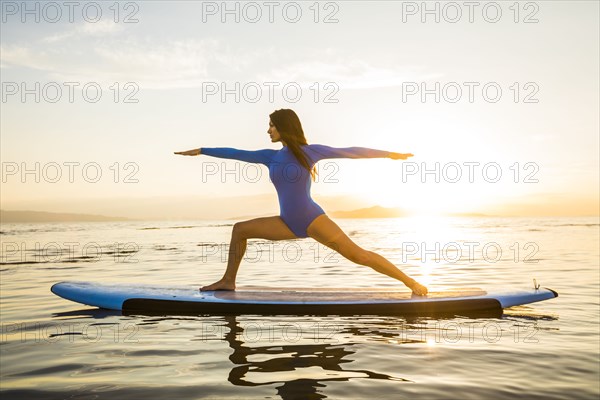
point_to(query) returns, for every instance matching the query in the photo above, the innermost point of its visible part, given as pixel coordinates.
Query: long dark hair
(289, 127)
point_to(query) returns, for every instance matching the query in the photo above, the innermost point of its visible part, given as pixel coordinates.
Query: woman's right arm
(193, 152)
(252, 156)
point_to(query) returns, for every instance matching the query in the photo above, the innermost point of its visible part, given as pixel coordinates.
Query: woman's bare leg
(270, 228)
(327, 232)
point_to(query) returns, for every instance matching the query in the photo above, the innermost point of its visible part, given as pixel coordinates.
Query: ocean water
(51, 348)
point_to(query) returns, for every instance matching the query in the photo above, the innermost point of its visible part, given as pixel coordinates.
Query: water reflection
(311, 364)
(301, 366)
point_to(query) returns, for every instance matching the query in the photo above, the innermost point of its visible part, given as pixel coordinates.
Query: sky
(498, 102)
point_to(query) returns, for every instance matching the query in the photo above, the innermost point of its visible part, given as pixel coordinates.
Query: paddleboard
(290, 301)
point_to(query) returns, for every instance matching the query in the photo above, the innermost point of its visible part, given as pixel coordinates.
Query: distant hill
(475, 215)
(7, 216)
(42, 216)
(371, 212)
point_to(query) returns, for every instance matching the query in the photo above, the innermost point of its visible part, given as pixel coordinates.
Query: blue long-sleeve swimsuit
(291, 180)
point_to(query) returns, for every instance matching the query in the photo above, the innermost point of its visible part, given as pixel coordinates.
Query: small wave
(50, 251)
(54, 369)
(65, 334)
(527, 313)
(170, 227)
(162, 248)
(79, 259)
(586, 225)
(23, 262)
(160, 352)
(123, 251)
(68, 260)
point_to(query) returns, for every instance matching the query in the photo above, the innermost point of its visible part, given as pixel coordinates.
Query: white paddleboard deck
(290, 301)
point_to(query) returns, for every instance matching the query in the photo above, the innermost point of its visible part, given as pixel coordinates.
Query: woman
(290, 170)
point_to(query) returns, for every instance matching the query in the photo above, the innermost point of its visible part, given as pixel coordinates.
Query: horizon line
(34, 216)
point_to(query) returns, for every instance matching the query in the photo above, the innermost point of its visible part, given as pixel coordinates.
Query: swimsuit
(291, 180)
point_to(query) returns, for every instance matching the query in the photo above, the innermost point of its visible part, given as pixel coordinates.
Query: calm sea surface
(51, 348)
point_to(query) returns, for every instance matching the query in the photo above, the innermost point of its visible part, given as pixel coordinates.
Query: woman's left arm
(323, 152)
(400, 156)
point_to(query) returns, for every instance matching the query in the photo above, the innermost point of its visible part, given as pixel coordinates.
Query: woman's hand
(194, 152)
(400, 156)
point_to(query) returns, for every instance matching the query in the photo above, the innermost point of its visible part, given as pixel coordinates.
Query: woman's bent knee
(239, 230)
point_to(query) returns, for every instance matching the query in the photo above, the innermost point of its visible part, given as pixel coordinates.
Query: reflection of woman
(266, 361)
(290, 170)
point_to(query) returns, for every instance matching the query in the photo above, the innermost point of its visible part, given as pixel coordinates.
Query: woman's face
(275, 136)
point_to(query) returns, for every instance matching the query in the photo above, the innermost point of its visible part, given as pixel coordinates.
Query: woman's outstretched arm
(193, 152)
(252, 156)
(400, 156)
(322, 152)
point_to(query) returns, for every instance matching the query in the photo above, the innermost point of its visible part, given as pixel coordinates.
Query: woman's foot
(219, 285)
(417, 288)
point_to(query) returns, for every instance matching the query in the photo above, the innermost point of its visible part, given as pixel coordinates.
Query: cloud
(100, 28)
(59, 36)
(192, 62)
(160, 66)
(21, 56)
(347, 73)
